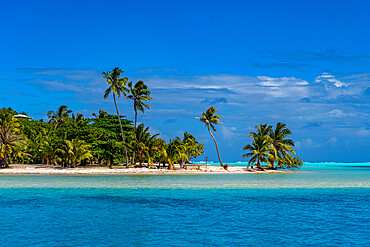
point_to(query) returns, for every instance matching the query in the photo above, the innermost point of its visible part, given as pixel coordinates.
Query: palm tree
(210, 119)
(117, 86)
(11, 142)
(193, 147)
(260, 151)
(262, 130)
(143, 142)
(280, 145)
(175, 152)
(59, 116)
(139, 93)
(75, 151)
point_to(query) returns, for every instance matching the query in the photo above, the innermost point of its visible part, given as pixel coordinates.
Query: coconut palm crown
(59, 116)
(139, 93)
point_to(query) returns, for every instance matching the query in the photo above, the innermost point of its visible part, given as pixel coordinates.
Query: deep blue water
(325, 205)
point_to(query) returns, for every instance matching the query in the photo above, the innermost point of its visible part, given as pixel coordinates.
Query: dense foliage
(69, 140)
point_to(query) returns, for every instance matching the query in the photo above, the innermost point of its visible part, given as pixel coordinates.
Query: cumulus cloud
(329, 79)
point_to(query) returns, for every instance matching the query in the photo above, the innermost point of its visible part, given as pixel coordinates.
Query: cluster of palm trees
(143, 145)
(71, 140)
(271, 147)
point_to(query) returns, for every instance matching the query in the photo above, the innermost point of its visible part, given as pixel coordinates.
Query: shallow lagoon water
(324, 205)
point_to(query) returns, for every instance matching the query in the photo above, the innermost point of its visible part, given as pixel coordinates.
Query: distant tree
(117, 86)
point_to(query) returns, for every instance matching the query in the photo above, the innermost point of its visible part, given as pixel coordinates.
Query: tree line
(70, 139)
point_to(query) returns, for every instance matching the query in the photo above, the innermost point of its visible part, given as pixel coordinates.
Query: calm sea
(327, 204)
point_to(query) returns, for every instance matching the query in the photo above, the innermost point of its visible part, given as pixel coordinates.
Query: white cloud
(329, 79)
(363, 132)
(337, 113)
(283, 81)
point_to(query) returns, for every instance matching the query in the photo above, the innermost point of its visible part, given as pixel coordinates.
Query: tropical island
(113, 144)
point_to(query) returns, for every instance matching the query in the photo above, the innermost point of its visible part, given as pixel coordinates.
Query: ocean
(325, 204)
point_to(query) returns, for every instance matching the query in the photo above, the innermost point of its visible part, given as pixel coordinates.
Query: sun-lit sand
(50, 170)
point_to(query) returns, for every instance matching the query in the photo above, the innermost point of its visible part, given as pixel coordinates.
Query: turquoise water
(324, 205)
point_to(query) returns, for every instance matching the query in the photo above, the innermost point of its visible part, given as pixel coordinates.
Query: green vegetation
(272, 147)
(117, 86)
(70, 140)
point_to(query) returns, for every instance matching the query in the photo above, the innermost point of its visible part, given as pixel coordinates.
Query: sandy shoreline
(20, 169)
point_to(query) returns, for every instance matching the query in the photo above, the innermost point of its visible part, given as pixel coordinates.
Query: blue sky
(305, 63)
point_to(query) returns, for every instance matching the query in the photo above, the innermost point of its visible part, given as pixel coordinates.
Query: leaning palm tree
(117, 86)
(259, 151)
(281, 146)
(210, 119)
(139, 93)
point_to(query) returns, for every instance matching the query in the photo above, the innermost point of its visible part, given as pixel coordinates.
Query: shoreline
(21, 169)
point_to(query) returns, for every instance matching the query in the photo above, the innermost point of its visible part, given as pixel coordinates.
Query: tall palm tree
(259, 151)
(210, 119)
(139, 93)
(280, 145)
(117, 86)
(59, 116)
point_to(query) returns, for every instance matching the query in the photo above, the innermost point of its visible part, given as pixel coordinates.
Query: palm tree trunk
(218, 153)
(120, 124)
(133, 156)
(6, 163)
(259, 164)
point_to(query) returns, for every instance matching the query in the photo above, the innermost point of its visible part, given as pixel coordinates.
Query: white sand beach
(19, 169)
